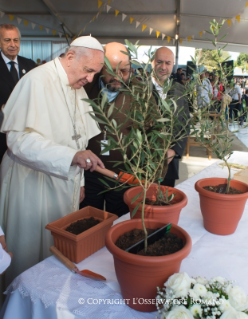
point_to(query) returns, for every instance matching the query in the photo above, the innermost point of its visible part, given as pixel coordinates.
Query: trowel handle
(106, 172)
(62, 258)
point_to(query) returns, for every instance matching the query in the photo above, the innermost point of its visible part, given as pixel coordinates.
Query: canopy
(152, 22)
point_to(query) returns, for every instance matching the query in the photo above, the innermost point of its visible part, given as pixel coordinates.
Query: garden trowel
(121, 177)
(73, 268)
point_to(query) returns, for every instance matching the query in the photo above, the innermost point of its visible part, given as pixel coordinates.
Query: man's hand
(87, 160)
(82, 194)
(170, 155)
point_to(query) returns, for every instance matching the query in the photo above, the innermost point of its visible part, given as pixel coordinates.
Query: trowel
(73, 268)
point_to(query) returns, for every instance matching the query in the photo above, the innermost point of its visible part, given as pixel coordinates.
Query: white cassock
(38, 183)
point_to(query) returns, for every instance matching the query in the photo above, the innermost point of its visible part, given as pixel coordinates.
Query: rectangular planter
(79, 247)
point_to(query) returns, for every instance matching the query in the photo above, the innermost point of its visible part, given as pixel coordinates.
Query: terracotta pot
(221, 212)
(139, 276)
(166, 214)
(78, 247)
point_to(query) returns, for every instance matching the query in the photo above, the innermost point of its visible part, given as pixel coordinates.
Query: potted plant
(78, 247)
(144, 152)
(221, 205)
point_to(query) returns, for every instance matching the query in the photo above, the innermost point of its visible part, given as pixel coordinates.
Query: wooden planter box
(79, 247)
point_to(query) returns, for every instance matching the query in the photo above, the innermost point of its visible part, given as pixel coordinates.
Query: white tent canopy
(74, 16)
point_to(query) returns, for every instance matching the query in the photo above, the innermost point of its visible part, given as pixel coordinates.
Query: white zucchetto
(87, 42)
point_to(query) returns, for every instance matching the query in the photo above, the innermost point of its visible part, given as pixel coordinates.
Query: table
(49, 290)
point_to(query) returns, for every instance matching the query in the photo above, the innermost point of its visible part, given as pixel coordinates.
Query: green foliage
(152, 130)
(210, 125)
(242, 61)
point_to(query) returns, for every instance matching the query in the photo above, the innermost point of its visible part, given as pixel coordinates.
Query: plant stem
(143, 213)
(229, 176)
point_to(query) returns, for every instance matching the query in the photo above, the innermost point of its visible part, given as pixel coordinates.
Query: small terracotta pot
(78, 247)
(221, 212)
(167, 214)
(139, 276)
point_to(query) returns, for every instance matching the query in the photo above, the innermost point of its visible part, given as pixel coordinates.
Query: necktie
(13, 72)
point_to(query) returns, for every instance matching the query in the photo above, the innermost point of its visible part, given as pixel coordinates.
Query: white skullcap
(87, 42)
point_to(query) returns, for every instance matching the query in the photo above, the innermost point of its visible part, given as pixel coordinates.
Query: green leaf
(135, 209)
(108, 64)
(136, 197)
(111, 109)
(104, 182)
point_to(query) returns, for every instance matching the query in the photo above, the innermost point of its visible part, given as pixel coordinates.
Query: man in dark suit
(12, 68)
(162, 66)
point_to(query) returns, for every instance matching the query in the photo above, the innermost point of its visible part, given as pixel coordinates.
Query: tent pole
(53, 12)
(177, 31)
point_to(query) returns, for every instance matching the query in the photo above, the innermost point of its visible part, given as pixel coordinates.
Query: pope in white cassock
(48, 127)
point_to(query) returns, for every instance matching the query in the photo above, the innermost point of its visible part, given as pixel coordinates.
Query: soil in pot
(167, 245)
(221, 189)
(159, 202)
(82, 225)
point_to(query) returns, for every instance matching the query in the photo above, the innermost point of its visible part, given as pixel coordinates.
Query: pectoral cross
(76, 137)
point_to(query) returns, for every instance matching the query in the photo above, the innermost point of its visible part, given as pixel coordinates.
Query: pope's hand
(87, 160)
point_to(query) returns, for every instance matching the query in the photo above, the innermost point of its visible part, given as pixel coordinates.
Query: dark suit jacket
(183, 117)
(7, 86)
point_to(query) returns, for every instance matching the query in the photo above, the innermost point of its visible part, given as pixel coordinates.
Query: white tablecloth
(49, 290)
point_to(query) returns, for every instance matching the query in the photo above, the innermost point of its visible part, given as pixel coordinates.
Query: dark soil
(82, 225)
(221, 189)
(159, 203)
(168, 244)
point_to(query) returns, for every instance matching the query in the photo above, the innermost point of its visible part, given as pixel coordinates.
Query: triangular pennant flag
(238, 18)
(168, 39)
(97, 15)
(19, 20)
(173, 40)
(108, 8)
(163, 35)
(41, 27)
(117, 12)
(47, 30)
(11, 17)
(60, 34)
(1, 14)
(131, 20)
(192, 36)
(94, 18)
(204, 31)
(33, 25)
(181, 41)
(189, 38)
(25, 22)
(157, 33)
(54, 32)
(151, 29)
(246, 4)
(144, 27)
(123, 16)
(137, 24)
(200, 34)
(99, 4)
(109, 1)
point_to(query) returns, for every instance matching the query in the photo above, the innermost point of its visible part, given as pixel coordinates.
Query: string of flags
(32, 24)
(102, 5)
